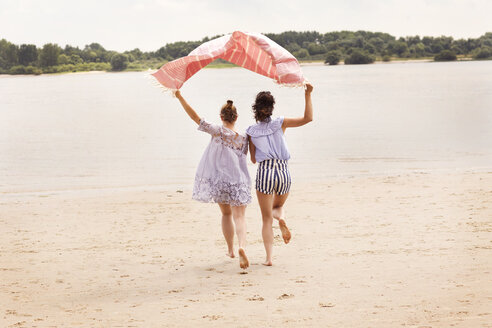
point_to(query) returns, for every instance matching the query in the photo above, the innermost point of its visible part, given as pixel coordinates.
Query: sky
(149, 24)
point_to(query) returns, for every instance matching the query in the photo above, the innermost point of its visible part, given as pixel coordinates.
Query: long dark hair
(263, 106)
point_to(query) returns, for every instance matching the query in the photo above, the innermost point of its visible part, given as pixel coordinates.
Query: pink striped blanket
(253, 51)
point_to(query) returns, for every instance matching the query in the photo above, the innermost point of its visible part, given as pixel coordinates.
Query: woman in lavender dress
(222, 176)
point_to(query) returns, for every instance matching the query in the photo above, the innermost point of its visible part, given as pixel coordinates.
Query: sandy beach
(408, 250)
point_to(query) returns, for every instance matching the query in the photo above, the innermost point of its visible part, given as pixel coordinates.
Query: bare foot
(267, 263)
(231, 254)
(243, 259)
(285, 231)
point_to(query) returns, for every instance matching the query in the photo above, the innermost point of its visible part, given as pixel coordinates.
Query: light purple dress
(222, 175)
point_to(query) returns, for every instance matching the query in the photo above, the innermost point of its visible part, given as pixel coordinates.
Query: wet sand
(409, 250)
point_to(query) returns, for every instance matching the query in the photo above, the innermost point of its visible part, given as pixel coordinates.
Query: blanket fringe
(156, 84)
(292, 85)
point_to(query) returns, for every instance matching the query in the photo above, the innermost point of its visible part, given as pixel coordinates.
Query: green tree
(412, 40)
(69, 50)
(8, 54)
(135, 53)
(398, 48)
(49, 55)
(486, 39)
(359, 57)
(119, 62)
(28, 54)
(89, 55)
(376, 42)
(459, 46)
(21, 69)
(359, 41)
(369, 48)
(483, 53)
(332, 45)
(162, 53)
(445, 55)
(96, 47)
(292, 47)
(419, 49)
(95, 52)
(301, 53)
(436, 47)
(180, 49)
(75, 59)
(333, 58)
(315, 48)
(63, 59)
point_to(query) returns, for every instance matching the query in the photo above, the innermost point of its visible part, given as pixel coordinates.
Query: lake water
(98, 130)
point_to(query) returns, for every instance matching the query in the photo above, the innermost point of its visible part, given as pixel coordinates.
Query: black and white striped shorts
(273, 176)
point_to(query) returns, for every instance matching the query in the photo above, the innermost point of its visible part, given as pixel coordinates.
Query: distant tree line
(365, 47)
(333, 47)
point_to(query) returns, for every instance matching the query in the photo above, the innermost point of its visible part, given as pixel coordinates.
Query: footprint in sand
(326, 305)
(174, 291)
(212, 317)
(256, 298)
(285, 296)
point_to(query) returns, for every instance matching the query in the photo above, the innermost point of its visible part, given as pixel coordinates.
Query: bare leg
(240, 222)
(266, 201)
(228, 228)
(278, 213)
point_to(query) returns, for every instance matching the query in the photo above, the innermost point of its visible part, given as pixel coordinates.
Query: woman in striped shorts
(268, 147)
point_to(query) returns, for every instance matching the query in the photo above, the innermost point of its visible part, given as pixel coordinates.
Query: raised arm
(190, 111)
(308, 112)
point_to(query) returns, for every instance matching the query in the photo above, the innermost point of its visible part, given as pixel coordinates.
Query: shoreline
(188, 185)
(227, 65)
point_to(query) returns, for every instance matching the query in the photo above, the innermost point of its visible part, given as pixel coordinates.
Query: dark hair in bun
(228, 112)
(263, 106)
